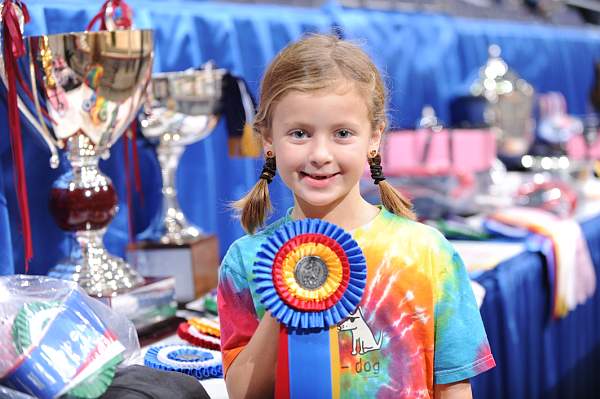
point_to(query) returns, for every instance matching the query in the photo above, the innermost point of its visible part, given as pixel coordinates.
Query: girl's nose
(320, 152)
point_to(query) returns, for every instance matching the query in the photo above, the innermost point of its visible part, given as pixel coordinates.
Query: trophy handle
(44, 132)
(38, 125)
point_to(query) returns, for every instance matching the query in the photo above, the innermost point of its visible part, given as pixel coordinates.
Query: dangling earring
(375, 166)
(270, 168)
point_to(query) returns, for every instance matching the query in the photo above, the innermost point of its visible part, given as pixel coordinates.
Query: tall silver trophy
(183, 108)
(87, 88)
(509, 104)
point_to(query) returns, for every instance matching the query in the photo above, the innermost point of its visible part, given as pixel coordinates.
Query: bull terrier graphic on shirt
(362, 336)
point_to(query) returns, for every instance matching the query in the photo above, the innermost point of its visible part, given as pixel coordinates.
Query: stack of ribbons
(148, 304)
(310, 274)
(209, 302)
(62, 347)
(571, 273)
(201, 332)
(186, 359)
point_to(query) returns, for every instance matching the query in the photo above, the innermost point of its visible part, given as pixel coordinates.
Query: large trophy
(509, 107)
(182, 108)
(87, 87)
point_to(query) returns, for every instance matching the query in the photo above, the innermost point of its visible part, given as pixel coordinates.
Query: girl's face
(321, 141)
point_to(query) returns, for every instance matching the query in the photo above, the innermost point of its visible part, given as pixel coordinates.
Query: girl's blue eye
(343, 133)
(298, 134)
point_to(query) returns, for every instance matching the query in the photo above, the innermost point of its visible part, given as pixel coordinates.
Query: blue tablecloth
(538, 357)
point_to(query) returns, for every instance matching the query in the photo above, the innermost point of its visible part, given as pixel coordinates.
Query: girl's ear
(375, 139)
(267, 141)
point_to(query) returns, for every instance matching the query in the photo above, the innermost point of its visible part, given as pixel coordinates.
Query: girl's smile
(318, 180)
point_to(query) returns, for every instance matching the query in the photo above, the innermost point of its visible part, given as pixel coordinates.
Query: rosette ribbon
(310, 274)
(191, 334)
(186, 359)
(63, 347)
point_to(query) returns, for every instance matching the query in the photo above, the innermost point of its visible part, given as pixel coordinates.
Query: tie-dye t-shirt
(417, 323)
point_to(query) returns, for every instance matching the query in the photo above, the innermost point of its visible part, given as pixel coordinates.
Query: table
(537, 357)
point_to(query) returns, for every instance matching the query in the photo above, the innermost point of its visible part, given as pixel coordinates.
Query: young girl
(322, 116)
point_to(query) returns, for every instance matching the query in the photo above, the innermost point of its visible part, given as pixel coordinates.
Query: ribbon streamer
(123, 22)
(13, 48)
(137, 176)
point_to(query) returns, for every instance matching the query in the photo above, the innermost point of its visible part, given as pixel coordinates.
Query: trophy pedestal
(108, 277)
(193, 264)
(89, 264)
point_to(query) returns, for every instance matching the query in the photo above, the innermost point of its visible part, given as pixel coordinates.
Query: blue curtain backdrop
(426, 59)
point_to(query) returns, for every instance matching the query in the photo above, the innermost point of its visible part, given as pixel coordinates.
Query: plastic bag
(56, 340)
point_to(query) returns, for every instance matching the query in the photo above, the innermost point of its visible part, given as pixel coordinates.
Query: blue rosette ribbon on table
(310, 274)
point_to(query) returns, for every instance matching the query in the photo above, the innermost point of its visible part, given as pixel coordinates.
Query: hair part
(391, 198)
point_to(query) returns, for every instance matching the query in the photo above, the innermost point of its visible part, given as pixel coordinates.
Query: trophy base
(102, 276)
(182, 235)
(194, 264)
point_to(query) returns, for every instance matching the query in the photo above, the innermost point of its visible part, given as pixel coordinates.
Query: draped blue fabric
(426, 59)
(537, 357)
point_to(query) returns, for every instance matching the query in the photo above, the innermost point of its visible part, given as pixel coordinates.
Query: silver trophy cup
(182, 109)
(509, 104)
(87, 88)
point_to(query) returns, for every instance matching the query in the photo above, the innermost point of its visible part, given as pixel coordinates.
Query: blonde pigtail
(391, 198)
(395, 202)
(255, 207)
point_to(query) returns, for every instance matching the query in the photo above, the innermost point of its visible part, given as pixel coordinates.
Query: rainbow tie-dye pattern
(417, 323)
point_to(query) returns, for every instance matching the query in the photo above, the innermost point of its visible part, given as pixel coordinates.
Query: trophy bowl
(183, 108)
(86, 89)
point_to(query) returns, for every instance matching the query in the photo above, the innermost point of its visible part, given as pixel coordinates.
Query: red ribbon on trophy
(13, 48)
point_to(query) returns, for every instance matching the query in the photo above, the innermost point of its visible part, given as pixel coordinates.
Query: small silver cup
(183, 108)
